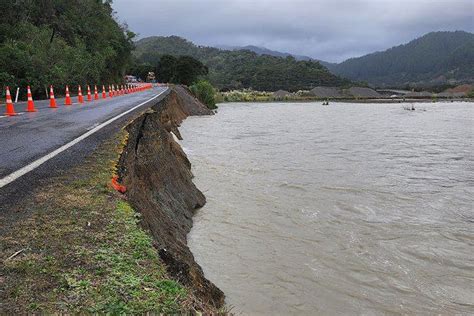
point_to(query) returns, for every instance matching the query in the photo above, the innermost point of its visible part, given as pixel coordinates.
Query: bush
(61, 42)
(205, 92)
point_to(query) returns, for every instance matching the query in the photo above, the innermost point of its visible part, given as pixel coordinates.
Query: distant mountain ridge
(435, 58)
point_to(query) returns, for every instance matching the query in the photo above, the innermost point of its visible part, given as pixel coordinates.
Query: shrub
(470, 94)
(205, 92)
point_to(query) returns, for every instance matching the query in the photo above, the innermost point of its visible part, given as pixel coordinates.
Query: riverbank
(362, 101)
(358, 95)
(87, 248)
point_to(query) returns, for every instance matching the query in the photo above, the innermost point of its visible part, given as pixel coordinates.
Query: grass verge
(82, 250)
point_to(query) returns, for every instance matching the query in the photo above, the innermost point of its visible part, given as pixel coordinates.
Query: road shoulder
(80, 249)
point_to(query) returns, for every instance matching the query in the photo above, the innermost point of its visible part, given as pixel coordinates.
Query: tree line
(170, 69)
(241, 69)
(59, 42)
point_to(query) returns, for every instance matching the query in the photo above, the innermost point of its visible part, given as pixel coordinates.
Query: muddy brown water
(344, 209)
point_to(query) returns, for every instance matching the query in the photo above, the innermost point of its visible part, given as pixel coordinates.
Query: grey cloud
(326, 29)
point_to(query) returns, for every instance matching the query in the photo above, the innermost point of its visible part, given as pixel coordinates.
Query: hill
(265, 51)
(241, 68)
(433, 59)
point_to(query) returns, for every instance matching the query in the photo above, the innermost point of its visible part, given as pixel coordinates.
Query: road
(34, 146)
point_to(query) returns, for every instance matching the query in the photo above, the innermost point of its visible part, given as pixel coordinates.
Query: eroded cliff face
(158, 178)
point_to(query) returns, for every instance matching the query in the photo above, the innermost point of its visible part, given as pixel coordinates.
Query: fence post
(17, 93)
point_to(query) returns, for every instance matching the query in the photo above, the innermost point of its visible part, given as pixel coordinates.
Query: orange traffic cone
(31, 105)
(68, 100)
(111, 95)
(96, 93)
(122, 91)
(89, 95)
(10, 110)
(80, 98)
(104, 94)
(52, 100)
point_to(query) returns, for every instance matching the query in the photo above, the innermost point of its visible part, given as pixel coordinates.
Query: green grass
(84, 251)
(132, 279)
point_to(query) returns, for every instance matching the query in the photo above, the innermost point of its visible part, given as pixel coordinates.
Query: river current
(341, 209)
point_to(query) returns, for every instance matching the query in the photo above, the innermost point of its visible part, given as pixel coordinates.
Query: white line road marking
(93, 126)
(35, 164)
(17, 113)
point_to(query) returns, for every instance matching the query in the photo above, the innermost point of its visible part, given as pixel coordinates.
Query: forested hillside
(265, 51)
(61, 42)
(243, 68)
(434, 58)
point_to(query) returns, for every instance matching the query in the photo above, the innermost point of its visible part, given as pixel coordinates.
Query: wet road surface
(29, 136)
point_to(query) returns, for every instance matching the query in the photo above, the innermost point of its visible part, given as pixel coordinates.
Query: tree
(183, 70)
(188, 70)
(166, 69)
(140, 70)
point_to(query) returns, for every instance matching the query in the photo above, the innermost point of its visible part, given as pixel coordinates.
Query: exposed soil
(158, 178)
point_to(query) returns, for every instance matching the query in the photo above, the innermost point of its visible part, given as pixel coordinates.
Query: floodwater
(341, 209)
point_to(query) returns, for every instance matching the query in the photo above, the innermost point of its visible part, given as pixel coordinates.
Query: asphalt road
(29, 137)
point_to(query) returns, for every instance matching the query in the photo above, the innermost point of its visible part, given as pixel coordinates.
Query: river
(341, 209)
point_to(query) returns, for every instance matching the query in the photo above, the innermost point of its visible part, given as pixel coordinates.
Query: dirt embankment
(158, 178)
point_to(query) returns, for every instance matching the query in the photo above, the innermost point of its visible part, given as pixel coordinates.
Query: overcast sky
(330, 30)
